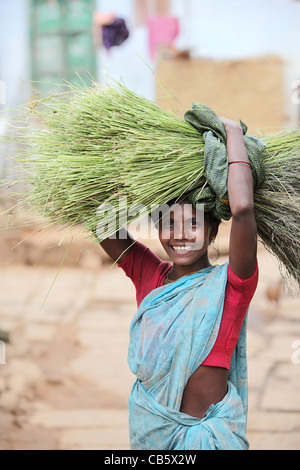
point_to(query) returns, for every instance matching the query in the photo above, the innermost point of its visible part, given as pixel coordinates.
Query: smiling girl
(187, 340)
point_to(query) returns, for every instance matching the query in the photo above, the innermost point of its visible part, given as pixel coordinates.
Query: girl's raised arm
(118, 246)
(243, 236)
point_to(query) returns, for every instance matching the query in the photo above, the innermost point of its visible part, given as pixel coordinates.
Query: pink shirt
(147, 272)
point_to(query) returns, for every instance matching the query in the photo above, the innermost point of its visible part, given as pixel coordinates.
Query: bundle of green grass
(93, 145)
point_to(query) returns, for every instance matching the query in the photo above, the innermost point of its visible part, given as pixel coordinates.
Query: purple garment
(115, 34)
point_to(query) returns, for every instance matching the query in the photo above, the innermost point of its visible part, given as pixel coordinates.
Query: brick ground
(66, 380)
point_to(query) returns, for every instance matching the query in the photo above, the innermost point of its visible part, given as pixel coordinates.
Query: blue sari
(171, 334)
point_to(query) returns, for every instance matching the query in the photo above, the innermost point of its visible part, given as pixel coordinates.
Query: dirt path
(66, 381)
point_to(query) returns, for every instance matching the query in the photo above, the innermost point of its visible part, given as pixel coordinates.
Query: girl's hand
(231, 126)
(235, 141)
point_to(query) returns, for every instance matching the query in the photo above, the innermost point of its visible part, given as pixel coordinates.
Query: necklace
(193, 272)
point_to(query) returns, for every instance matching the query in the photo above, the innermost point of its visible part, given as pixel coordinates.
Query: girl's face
(185, 233)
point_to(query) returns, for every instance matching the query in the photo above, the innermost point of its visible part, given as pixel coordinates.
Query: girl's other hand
(231, 125)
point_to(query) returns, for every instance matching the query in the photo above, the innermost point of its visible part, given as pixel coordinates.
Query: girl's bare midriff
(207, 386)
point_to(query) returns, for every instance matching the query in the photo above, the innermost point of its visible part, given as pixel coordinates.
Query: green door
(61, 42)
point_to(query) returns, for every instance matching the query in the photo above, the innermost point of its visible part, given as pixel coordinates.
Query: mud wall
(251, 89)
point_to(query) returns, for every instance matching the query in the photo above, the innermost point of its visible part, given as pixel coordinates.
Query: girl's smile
(182, 248)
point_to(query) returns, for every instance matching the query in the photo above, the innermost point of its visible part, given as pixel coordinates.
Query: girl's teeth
(182, 248)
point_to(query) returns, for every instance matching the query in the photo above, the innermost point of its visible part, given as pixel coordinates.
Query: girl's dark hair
(215, 222)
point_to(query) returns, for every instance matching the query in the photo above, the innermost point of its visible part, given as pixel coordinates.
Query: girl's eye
(195, 224)
(168, 223)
